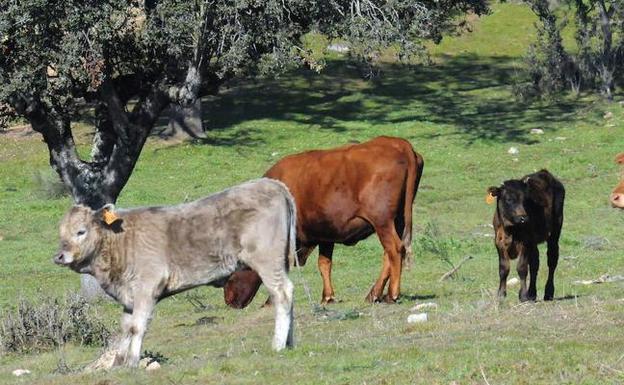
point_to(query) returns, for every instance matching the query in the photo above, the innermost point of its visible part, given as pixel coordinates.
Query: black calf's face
(512, 198)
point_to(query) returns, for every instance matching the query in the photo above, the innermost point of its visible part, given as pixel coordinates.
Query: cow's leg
(503, 272)
(302, 256)
(377, 290)
(134, 324)
(394, 252)
(533, 258)
(325, 265)
(523, 270)
(303, 253)
(126, 338)
(553, 259)
(282, 297)
(281, 290)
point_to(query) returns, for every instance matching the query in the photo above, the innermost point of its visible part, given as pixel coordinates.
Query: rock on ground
(20, 372)
(417, 318)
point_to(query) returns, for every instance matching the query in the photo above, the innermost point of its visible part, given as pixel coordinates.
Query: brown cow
(344, 195)
(617, 196)
(529, 211)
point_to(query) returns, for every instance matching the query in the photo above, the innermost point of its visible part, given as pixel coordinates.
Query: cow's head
(512, 199)
(617, 196)
(81, 232)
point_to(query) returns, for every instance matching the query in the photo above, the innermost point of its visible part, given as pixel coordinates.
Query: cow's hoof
(548, 297)
(524, 297)
(390, 299)
(372, 298)
(328, 300)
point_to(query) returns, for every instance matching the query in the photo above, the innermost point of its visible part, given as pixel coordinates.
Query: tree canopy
(130, 60)
(596, 63)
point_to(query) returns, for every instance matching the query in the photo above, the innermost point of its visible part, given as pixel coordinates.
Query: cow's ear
(106, 214)
(619, 159)
(492, 192)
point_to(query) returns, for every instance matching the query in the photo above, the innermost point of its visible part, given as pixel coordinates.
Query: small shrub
(431, 241)
(49, 323)
(49, 186)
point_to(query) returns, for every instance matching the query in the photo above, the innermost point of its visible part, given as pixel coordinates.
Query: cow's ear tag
(489, 198)
(109, 217)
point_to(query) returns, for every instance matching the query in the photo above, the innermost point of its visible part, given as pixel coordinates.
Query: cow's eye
(81, 232)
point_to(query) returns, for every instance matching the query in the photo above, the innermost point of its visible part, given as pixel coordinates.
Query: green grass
(460, 115)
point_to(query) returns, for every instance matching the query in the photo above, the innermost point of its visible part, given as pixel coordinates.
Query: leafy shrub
(49, 323)
(432, 242)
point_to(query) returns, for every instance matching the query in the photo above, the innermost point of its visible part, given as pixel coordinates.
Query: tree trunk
(117, 144)
(185, 120)
(606, 67)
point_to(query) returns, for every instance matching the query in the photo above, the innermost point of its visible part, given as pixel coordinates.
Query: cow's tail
(291, 223)
(414, 172)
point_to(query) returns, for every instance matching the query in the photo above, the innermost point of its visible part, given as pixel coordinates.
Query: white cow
(140, 256)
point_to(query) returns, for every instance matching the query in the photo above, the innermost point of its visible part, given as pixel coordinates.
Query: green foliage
(49, 323)
(430, 241)
(597, 64)
(130, 60)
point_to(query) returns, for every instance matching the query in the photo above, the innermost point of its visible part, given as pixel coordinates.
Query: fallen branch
(454, 270)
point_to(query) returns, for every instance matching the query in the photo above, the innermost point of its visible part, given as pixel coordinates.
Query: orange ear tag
(489, 199)
(109, 217)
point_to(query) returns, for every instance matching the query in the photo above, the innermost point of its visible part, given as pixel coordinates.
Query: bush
(49, 323)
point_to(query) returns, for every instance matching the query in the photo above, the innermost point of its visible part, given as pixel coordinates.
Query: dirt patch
(18, 132)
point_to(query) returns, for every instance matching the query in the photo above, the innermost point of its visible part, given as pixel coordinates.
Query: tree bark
(606, 66)
(185, 120)
(117, 144)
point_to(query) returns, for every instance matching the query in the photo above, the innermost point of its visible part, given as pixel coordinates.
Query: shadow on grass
(567, 297)
(467, 92)
(416, 297)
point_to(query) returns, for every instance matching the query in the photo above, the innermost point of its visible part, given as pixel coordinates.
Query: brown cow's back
(342, 192)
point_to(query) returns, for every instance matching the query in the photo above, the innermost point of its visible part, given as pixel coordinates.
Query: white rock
(513, 281)
(153, 366)
(416, 318)
(425, 305)
(274, 153)
(537, 131)
(513, 150)
(20, 372)
(608, 115)
(561, 138)
(144, 363)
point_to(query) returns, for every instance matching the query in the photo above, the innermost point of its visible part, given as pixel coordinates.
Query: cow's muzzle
(521, 219)
(617, 200)
(62, 258)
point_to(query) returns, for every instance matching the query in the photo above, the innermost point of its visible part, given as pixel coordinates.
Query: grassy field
(460, 115)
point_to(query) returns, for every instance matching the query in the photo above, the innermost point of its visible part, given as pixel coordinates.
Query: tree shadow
(469, 93)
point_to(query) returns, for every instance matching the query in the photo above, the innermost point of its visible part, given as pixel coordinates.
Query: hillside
(461, 116)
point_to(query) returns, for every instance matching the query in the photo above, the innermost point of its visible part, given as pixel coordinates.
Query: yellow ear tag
(489, 199)
(109, 217)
